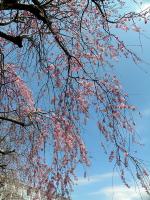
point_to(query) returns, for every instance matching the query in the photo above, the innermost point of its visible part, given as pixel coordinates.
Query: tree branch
(33, 9)
(39, 13)
(14, 121)
(24, 7)
(3, 166)
(15, 39)
(6, 152)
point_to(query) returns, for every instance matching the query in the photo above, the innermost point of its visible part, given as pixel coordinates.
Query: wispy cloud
(144, 6)
(121, 193)
(95, 179)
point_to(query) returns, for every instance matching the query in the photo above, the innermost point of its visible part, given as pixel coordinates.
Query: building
(11, 189)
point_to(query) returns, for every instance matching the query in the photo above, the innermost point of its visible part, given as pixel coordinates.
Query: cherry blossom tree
(52, 76)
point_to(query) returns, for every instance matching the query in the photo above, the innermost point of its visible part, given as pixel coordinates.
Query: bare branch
(14, 121)
(6, 152)
(15, 39)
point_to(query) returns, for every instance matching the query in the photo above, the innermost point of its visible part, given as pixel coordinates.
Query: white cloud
(145, 6)
(121, 193)
(95, 178)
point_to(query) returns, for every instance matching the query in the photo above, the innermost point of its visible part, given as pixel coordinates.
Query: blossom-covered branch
(53, 75)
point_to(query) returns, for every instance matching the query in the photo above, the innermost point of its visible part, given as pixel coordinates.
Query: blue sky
(101, 182)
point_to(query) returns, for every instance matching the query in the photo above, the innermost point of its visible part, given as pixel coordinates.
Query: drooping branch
(69, 81)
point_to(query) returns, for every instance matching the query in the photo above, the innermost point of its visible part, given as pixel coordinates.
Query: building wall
(14, 190)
